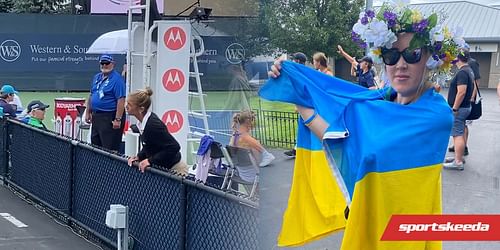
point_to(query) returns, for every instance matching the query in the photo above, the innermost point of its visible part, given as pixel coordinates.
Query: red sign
(175, 38)
(173, 120)
(443, 228)
(173, 80)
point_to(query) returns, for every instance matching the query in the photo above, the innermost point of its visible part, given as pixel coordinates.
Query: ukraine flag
(379, 157)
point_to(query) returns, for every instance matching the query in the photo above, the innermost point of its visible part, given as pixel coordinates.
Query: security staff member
(106, 106)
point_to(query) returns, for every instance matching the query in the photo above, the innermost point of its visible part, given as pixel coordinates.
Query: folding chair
(242, 162)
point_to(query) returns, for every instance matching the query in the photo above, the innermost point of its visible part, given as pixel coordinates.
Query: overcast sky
(485, 2)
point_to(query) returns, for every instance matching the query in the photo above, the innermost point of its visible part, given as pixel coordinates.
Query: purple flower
(420, 26)
(363, 45)
(391, 18)
(364, 20)
(435, 57)
(370, 14)
(438, 46)
(442, 56)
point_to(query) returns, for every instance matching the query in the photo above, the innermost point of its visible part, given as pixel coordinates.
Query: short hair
(321, 58)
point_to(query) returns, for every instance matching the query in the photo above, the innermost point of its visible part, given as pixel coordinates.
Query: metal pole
(125, 230)
(369, 6)
(146, 41)
(129, 51)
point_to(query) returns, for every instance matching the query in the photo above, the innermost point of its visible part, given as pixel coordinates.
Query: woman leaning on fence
(159, 147)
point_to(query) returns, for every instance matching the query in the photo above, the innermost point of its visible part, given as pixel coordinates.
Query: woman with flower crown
(385, 147)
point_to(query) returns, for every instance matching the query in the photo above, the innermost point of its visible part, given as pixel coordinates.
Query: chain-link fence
(166, 211)
(3, 147)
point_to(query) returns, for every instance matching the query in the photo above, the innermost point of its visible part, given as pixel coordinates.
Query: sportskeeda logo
(10, 50)
(173, 120)
(175, 38)
(461, 227)
(448, 227)
(173, 80)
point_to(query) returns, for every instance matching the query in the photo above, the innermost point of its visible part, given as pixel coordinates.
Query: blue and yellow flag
(385, 157)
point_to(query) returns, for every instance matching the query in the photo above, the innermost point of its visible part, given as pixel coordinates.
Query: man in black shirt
(459, 99)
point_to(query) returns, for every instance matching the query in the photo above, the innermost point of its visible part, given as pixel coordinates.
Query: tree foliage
(41, 6)
(312, 25)
(6, 5)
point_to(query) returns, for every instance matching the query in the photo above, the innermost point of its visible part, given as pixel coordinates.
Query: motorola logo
(173, 120)
(235, 53)
(175, 38)
(10, 50)
(173, 80)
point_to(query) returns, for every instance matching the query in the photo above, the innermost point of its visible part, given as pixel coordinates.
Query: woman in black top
(159, 147)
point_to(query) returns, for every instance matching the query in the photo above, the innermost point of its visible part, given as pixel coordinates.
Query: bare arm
(474, 90)
(347, 56)
(318, 125)
(120, 107)
(88, 110)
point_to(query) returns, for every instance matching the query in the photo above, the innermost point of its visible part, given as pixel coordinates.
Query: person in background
(159, 147)
(7, 93)
(242, 125)
(474, 65)
(363, 69)
(459, 99)
(36, 114)
(106, 106)
(320, 62)
(300, 58)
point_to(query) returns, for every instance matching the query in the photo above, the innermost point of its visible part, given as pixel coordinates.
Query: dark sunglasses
(391, 56)
(105, 63)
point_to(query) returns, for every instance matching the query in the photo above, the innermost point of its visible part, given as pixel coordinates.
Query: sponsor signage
(117, 6)
(171, 90)
(48, 53)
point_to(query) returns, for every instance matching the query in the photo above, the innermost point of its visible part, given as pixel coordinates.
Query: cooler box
(67, 122)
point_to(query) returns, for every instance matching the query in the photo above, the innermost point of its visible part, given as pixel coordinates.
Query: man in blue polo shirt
(106, 106)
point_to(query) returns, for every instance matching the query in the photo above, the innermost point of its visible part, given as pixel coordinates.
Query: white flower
(436, 34)
(433, 64)
(360, 29)
(377, 33)
(457, 36)
(390, 38)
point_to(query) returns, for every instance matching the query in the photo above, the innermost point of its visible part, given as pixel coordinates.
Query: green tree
(41, 6)
(312, 25)
(6, 5)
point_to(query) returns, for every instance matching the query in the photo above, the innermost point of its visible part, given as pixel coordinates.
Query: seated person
(243, 123)
(6, 96)
(35, 114)
(159, 147)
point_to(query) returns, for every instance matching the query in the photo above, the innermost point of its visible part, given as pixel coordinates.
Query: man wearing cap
(363, 69)
(459, 99)
(6, 96)
(106, 106)
(299, 57)
(36, 114)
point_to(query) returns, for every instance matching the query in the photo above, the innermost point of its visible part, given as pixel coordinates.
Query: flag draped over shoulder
(385, 157)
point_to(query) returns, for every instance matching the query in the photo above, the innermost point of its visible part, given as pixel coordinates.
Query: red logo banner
(443, 228)
(173, 80)
(175, 38)
(174, 121)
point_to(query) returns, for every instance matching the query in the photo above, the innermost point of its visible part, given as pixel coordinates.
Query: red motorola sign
(173, 120)
(175, 38)
(173, 80)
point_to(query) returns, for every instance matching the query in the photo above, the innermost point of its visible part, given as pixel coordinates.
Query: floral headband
(378, 30)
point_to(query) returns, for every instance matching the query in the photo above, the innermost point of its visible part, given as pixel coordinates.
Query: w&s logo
(235, 53)
(173, 120)
(175, 38)
(10, 50)
(173, 80)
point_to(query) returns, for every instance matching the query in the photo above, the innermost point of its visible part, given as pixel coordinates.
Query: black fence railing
(3, 148)
(78, 183)
(275, 129)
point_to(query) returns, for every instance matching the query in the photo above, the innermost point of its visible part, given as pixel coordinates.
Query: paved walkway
(29, 229)
(476, 190)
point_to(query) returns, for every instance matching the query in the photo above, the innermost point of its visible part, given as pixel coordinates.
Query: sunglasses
(105, 63)
(391, 56)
